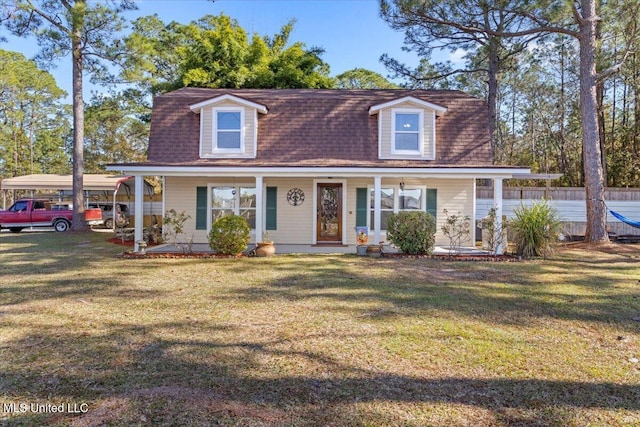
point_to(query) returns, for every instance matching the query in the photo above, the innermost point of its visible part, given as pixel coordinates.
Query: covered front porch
(317, 210)
(309, 249)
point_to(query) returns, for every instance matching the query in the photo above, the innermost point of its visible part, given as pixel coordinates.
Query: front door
(329, 220)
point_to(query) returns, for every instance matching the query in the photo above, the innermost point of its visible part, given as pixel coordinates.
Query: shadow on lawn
(41, 266)
(164, 380)
(508, 294)
(127, 371)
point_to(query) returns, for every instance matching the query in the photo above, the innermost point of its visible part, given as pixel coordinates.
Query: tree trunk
(492, 95)
(602, 129)
(636, 108)
(79, 223)
(596, 230)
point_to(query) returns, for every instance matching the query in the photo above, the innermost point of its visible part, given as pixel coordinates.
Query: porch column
(377, 203)
(497, 204)
(139, 209)
(259, 208)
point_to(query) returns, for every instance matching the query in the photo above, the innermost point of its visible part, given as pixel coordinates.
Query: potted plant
(265, 247)
(361, 240)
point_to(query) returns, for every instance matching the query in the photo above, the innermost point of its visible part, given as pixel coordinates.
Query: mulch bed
(128, 243)
(469, 258)
(137, 255)
(119, 241)
(461, 257)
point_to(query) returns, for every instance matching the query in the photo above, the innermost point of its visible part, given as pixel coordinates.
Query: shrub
(173, 226)
(412, 231)
(494, 233)
(229, 235)
(457, 228)
(536, 229)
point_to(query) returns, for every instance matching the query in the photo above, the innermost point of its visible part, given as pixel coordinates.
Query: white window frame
(396, 201)
(420, 114)
(237, 208)
(214, 121)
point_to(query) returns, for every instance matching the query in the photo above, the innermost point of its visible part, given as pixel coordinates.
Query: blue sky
(350, 31)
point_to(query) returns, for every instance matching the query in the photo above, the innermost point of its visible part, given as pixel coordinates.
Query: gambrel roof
(320, 128)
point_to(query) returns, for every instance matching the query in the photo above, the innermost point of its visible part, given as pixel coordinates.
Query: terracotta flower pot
(265, 249)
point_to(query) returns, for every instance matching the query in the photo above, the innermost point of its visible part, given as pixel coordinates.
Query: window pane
(384, 217)
(250, 216)
(219, 213)
(247, 197)
(386, 206)
(229, 140)
(410, 199)
(407, 141)
(386, 198)
(386, 201)
(223, 198)
(229, 120)
(407, 122)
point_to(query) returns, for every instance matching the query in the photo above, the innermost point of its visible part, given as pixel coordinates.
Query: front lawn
(308, 340)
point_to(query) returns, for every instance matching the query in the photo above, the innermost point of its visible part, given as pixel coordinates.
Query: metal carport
(108, 183)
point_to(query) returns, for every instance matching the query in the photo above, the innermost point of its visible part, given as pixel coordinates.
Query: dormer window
(408, 131)
(228, 127)
(407, 128)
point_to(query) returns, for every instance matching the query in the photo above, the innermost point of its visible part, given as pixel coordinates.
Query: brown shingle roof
(309, 127)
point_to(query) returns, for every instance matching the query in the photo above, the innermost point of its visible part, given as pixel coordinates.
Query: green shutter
(201, 208)
(432, 202)
(271, 220)
(362, 199)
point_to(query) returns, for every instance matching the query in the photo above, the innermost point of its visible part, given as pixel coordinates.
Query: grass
(307, 340)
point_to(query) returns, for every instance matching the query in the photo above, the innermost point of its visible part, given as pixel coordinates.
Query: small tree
(536, 229)
(494, 237)
(412, 231)
(229, 235)
(173, 230)
(457, 228)
(87, 32)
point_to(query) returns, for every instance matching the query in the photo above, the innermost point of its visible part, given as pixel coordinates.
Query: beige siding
(455, 195)
(295, 223)
(386, 132)
(180, 194)
(250, 130)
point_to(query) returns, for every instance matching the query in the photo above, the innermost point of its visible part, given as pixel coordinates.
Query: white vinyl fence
(570, 203)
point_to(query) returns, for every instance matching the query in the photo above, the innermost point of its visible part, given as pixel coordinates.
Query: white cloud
(457, 57)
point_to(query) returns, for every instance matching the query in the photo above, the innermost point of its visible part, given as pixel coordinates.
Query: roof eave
(440, 110)
(196, 108)
(291, 171)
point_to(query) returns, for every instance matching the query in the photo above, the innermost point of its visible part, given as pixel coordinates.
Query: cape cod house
(308, 166)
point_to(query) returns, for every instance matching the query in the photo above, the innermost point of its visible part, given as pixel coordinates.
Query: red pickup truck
(42, 213)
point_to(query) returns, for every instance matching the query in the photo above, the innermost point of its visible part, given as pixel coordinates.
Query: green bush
(414, 232)
(229, 235)
(535, 229)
